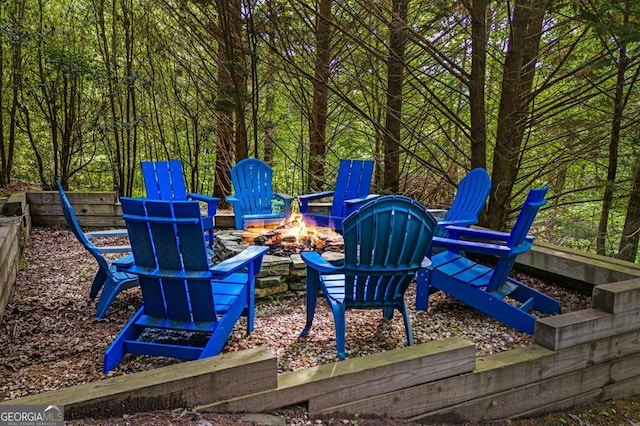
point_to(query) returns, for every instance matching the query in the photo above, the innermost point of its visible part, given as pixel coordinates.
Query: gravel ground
(49, 339)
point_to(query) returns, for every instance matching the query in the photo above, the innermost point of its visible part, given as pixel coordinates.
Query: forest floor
(49, 340)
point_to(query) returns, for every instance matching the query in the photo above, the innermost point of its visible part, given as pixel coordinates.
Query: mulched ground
(49, 339)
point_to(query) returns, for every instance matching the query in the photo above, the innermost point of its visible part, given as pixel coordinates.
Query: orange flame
(296, 228)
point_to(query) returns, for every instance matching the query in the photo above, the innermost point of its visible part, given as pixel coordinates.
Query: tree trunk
(269, 126)
(478, 10)
(225, 146)
(517, 80)
(614, 141)
(318, 119)
(628, 249)
(7, 150)
(234, 54)
(395, 80)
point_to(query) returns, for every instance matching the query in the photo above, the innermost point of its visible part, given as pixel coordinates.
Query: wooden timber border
(577, 358)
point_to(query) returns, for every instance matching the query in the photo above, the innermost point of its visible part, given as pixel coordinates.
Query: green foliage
(144, 80)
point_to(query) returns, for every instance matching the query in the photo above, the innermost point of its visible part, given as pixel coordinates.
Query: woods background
(539, 92)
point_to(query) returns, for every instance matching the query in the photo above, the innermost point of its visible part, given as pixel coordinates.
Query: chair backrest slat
(385, 242)
(471, 196)
(535, 200)
(353, 181)
(164, 180)
(252, 183)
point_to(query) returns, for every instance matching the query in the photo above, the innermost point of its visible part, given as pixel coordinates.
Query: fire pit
(282, 267)
(294, 237)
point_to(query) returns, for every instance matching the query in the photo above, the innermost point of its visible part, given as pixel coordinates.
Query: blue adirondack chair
(108, 278)
(164, 180)
(351, 191)
(253, 201)
(385, 243)
(180, 290)
(483, 287)
(471, 196)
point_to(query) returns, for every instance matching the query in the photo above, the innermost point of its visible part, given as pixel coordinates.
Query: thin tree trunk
(519, 69)
(395, 81)
(7, 151)
(231, 42)
(614, 141)
(270, 123)
(478, 10)
(628, 249)
(225, 128)
(318, 119)
(129, 162)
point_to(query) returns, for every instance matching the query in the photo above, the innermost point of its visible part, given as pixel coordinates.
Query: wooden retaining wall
(92, 209)
(578, 357)
(15, 224)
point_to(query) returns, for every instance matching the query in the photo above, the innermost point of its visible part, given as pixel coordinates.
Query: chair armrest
(438, 211)
(287, 200)
(240, 260)
(123, 262)
(472, 247)
(482, 234)
(212, 202)
(460, 222)
(303, 200)
(318, 195)
(317, 262)
(114, 249)
(234, 201)
(438, 214)
(109, 233)
(284, 197)
(353, 204)
(477, 233)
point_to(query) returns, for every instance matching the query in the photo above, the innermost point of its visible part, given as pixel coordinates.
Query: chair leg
(114, 353)
(251, 299)
(98, 283)
(339, 321)
(422, 290)
(407, 324)
(109, 292)
(387, 313)
(313, 284)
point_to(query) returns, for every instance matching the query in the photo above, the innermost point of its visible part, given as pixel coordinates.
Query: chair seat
(227, 293)
(463, 269)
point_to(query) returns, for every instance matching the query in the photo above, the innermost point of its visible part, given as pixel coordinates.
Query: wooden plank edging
(498, 376)
(364, 376)
(182, 385)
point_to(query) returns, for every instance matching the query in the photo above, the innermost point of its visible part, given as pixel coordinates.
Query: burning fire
(296, 228)
(294, 236)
